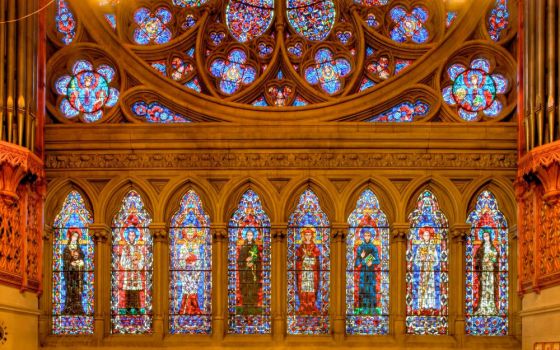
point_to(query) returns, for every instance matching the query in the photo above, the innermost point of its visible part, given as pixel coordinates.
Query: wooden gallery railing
(538, 180)
(22, 185)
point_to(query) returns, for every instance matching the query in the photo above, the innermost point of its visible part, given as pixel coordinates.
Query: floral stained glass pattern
(249, 19)
(311, 19)
(498, 20)
(233, 72)
(426, 268)
(474, 90)
(65, 22)
(190, 288)
(403, 112)
(367, 269)
(249, 268)
(189, 3)
(487, 269)
(132, 259)
(155, 112)
(328, 71)
(73, 277)
(308, 267)
(152, 26)
(409, 26)
(87, 91)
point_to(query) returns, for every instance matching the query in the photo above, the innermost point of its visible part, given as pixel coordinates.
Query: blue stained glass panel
(409, 26)
(65, 22)
(311, 19)
(155, 112)
(72, 267)
(249, 19)
(233, 72)
(498, 20)
(152, 26)
(328, 71)
(308, 267)
(426, 268)
(403, 112)
(131, 269)
(190, 254)
(486, 303)
(249, 268)
(367, 268)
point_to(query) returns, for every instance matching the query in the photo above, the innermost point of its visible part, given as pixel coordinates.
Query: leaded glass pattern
(427, 268)
(308, 267)
(73, 269)
(155, 112)
(486, 303)
(249, 267)
(190, 261)
(131, 269)
(498, 20)
(65, 22)
(249, 19)
(311, 19)
(367, 268)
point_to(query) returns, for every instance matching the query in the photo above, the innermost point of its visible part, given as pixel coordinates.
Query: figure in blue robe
(367, 257)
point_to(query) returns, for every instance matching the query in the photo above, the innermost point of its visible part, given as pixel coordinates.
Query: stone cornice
(543, 156)
(279, 160)
(17, 156)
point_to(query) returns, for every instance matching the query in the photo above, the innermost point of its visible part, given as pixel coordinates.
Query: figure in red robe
(307, 265)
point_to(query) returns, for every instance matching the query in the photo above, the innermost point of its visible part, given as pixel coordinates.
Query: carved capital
(460, 233)
(278, 232)
(159, 231)
(47, 233)
(219, 232)
(339, 231)
(399, 231)
(100, 233)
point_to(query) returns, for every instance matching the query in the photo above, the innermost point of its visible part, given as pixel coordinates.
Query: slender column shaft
(551, 69)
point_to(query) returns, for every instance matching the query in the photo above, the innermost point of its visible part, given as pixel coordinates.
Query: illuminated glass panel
(367, 268)
(131, 270)
(73, 248)
(328, 71)
(233, 72)
(474, 89)
(426, 268)
(409, 26)
(311, 19)
(155, 112)
(65, 22)
(249, 19)
(487, 269)
(403, 112)
(87, 91)
(190, 255)
(498, 19)
(308, 267)
(152, 26)
(249, 268)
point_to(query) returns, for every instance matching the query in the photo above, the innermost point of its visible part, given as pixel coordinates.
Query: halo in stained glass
(152, 26)
(367, 268)
(233, 72)
(249, 19)
(486, 297)
(311, 19)
(73, 269)
(409, 26)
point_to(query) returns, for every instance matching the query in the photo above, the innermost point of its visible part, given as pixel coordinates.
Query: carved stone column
(219, 280)
(45, 319)
(338, 285)
(160, 277)
(279, 274)
(457, 273)
(101, 234)
(399, 232)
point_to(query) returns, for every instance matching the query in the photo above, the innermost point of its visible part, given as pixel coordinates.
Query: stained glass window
(311, 19)
(498, 19)
(367, 268)
(132, 258)
(152, 26)
(233, 72)
(73, 275)
(474, 90)
(328, 71)
(249, 268)
(308, 267)
(249, 19)
(403, 112)
(155, 112)
(487, 269)
(426, 268)
(409, 26)
(87, 91)
(65, 22)
(190, 254)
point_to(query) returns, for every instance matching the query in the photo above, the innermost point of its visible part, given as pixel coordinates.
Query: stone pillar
(219, 280)
(457, 277)
(101, 235)
(160, 268)
(45, 319)
(279, 274)
(397, 266)
(338, 284)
